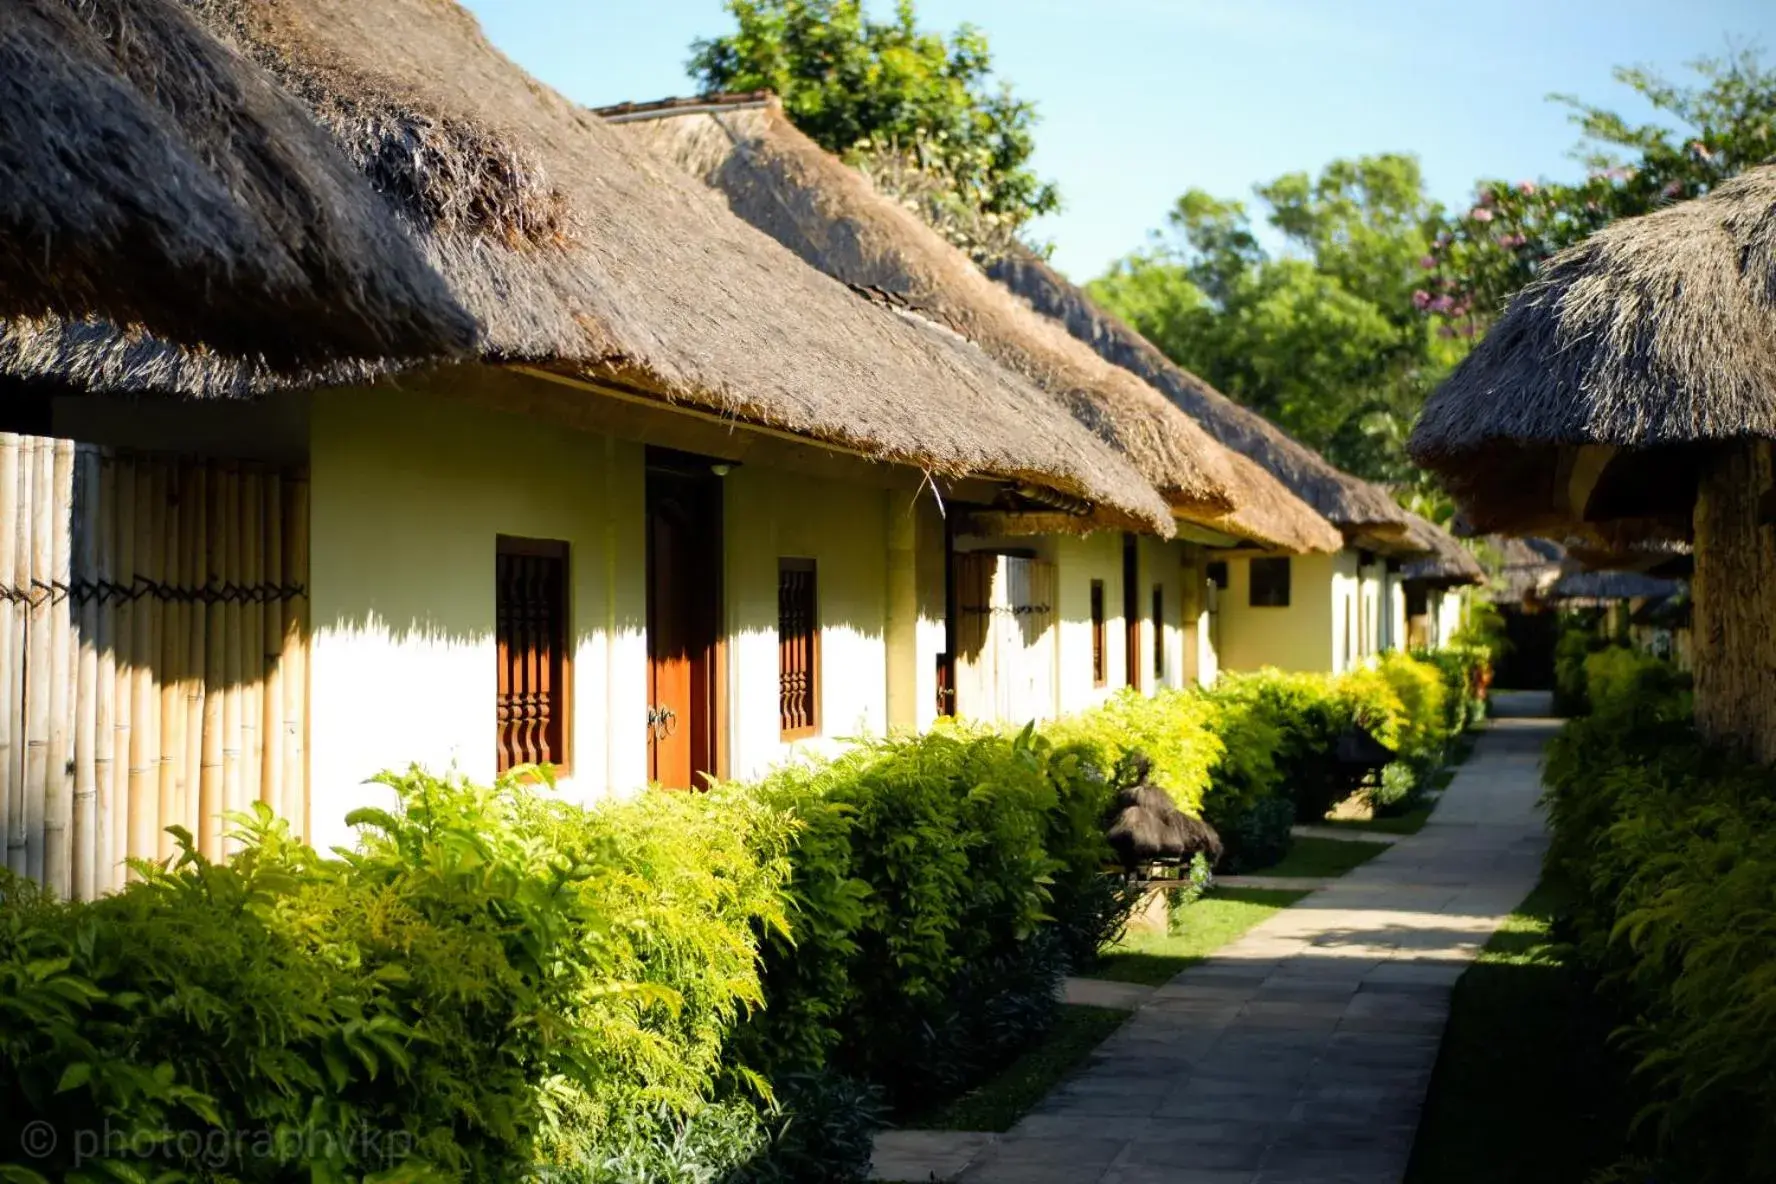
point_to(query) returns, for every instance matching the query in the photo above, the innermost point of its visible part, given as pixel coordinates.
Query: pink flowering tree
(1722, 123)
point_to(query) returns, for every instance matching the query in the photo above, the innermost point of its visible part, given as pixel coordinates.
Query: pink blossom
(1526, 187)
(1421, 300)
(1446, 331)
(1480, 214)
(1511, 242)
(1428, 262)
(1467, 329)
(1442, 304)
(1673, 189)
(1487, 197)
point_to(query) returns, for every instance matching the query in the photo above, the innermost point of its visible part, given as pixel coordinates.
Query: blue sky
(1142, 99)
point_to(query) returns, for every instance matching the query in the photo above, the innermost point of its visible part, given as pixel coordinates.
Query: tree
(913, 102)
(1721, 124)
(1323, 338)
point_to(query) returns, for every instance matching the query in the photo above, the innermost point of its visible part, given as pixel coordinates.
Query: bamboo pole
(105, 681)
(86, 703)
(233, 799)
(168, 659)
(39, 638)
(58, 786)
(10, 672)
(294, 665)
(271, 644)
(194, 574)
(144, 789)
(21, 560)
(123, 808)
(210, 796)
(252, 539)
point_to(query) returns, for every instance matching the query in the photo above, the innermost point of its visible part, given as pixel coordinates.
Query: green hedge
(1670, 845)
(680, 987)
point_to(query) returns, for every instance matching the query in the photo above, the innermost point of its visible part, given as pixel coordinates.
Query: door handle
(662, 722)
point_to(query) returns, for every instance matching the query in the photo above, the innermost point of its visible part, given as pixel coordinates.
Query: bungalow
(1426, 605)
(673, 515)
(1626, 395)
(1296, 612)
(1048, 618)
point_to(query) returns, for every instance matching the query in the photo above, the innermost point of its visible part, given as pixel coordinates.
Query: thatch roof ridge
(1345, 500)
(575, 252)
(779, 180)
(1612, 585)
(151, 175)
(1446, 560)
(1656, 330)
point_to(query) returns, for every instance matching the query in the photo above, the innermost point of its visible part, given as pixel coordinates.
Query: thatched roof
(1350, 503)
(1447, 562)
(1523, 567)
(576, 252)
(1612, 585)
(150, 175)
(1657, 332)
(782, 182)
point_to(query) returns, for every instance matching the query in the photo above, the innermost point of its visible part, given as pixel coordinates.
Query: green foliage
(1324, 337)
(492, 982)
(1425, 716)
(1619, 678)
(919, 893)
(1402, 790)
(1705, 132)
(1172, 728)
(1580, 636)
(1670, 843)
(859, 85)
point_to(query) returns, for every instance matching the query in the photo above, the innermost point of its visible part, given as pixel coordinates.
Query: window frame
(508, 546)
(1100, 636)
(785, 565)
(1252, 582)
(1159, 646)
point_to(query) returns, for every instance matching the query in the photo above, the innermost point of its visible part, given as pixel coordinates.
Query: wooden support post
(39, 640)
(295, 663)
(194, 572)
(86, 526)
(105, 765)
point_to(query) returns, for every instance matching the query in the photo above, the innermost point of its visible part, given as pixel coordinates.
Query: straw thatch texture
(1525, 568)
(1610, 585)
(1657, 331)
(1735, 637)
(1446, 561)
(575, 251)
(780, 181)
(149, 174)
(1346, 501)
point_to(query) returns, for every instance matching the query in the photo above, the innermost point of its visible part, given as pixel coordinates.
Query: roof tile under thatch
(1348, 502)
(1656, 332)
(573, 251)
(1446, 562)
(150, 175)
(782, 182)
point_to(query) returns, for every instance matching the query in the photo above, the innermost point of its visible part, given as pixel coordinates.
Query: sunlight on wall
(409, 492)
(1303, 636)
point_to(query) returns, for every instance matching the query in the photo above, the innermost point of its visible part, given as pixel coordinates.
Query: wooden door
(1006, 661)
(683, 619)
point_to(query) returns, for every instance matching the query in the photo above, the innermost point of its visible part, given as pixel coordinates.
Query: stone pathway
(1300, 1053)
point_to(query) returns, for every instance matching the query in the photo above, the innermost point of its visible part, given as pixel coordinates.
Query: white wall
(408, 492)
(843, 527)
(1305, 635)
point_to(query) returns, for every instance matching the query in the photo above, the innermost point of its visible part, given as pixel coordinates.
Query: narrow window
(1100, 664)
(530, 615)
(1159, 633)
(1270, 583)
(1217, 573)
(798, 648)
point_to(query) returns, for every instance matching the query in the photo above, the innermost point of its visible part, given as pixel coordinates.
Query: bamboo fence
(153, 656)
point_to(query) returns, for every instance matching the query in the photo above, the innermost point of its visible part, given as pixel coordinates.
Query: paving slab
(1301, 1052)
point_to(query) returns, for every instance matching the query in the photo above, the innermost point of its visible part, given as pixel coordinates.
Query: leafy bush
(1424, 724)
(1260, 836)
(1580, 636)
(493, 982)
(1174, 729)
(1401, 791)
(1619, 681)
(1671, 844)
(919, 889)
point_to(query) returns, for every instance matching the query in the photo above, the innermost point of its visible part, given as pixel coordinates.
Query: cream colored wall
(1449, 607)
(1393, 594)
(770, 515)
(1298, 637)
(408, 492)
(1371, 581)
(1078, 561)
(1162, 563)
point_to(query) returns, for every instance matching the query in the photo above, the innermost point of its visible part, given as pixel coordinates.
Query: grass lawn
(1323, 858)
(1207, 925)
(1003, 1099)
(1409, 823)
(1525, 1088)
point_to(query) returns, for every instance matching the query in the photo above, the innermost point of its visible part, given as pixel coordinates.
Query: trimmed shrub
(1175, 729)
(1423, 726)
(1670, 843)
